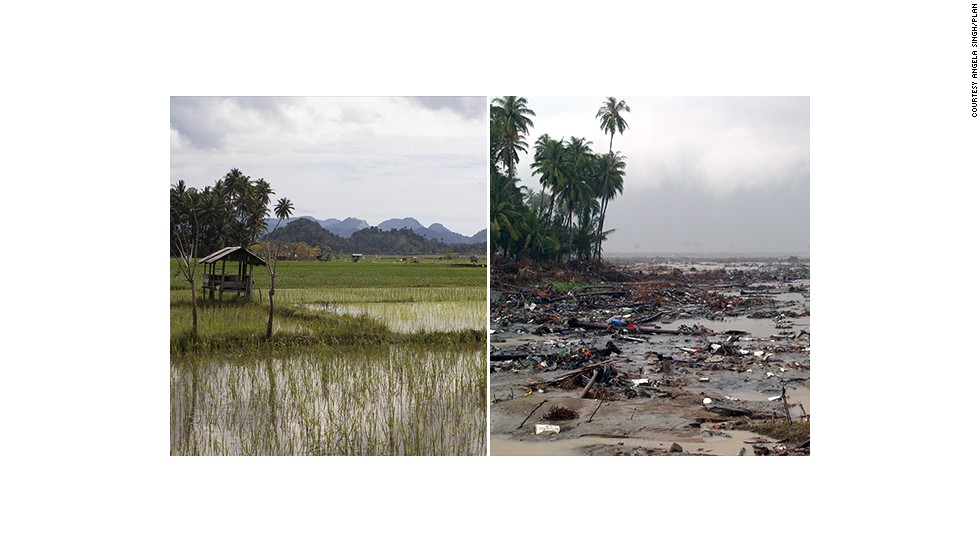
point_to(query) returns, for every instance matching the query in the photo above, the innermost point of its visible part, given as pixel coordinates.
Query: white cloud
(372, 158)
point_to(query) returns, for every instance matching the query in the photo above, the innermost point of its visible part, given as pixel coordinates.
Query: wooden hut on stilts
(239, 282)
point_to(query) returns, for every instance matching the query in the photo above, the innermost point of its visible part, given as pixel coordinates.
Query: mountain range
(371, 240)
(346, 228)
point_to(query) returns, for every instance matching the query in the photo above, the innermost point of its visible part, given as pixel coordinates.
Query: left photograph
(328, 276)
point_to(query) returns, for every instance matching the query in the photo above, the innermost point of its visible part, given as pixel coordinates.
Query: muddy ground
(681, 355)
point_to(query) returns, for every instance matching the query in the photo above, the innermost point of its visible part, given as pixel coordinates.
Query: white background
(86, 390)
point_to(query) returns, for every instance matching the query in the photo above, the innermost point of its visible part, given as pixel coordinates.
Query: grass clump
(558, 413)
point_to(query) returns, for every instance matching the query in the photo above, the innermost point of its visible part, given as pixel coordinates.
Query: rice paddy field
(379, 357)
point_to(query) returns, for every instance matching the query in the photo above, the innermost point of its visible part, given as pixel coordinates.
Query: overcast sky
(372, 158)
(703, 174)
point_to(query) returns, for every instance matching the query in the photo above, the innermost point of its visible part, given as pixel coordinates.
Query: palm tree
(610, 171)
(284, 208)
(552, 167)
(611, 120)
(506, 213)
(539, 242)
(577, 189)
(510, 119)
(610, 117)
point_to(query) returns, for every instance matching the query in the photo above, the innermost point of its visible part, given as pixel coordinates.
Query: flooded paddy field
(706, 359)
(354, 367)
(397, 400)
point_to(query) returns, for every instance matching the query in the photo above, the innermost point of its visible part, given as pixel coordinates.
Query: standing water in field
(398, 400)
(354, 367)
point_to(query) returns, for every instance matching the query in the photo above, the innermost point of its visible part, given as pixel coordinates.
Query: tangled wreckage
(693, 357)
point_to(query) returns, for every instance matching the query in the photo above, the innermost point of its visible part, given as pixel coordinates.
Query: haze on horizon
(372, 158)
(704, 175)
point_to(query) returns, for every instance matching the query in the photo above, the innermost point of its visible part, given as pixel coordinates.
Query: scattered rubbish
(546, 428)
(648, 332)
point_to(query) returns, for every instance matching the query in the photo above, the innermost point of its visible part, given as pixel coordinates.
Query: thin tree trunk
(193, 307)
(272, 292)
(602, 216)
(541, 202)
(602, 222)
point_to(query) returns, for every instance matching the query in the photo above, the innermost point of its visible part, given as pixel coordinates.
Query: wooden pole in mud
(786, 405)
(595, 376)
(529, 415)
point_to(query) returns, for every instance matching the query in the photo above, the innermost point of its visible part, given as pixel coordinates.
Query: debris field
(650, 357)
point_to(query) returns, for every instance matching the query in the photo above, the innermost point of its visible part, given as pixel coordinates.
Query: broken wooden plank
(576, 323)
(577, 371)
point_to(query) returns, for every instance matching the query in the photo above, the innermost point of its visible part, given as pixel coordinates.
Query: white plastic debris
(637, 382)
(706, 401)
(769, 374)
(703, 379)
(546, 428)
(776, 398)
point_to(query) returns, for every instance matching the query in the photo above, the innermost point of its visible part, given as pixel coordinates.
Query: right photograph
(649, 276)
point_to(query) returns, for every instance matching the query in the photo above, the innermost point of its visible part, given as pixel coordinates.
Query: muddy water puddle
(794, 396)
(757, 327)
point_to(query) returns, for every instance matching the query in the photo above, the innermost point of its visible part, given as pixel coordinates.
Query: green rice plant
(397, 400)
(340, 274)
(378, 358)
